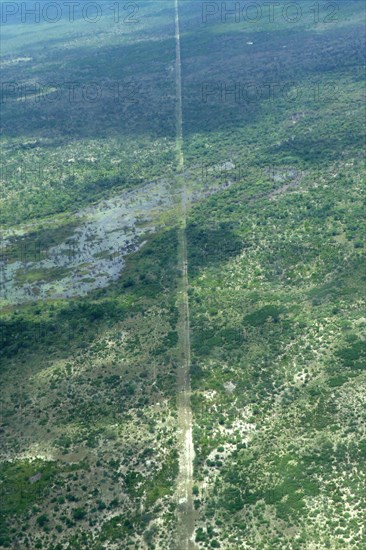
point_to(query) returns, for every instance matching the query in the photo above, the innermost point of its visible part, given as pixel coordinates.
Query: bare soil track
(186, 512)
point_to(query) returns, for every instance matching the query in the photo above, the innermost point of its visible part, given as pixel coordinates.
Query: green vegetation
(275, 237)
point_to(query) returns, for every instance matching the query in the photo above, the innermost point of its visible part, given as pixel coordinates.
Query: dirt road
(186, 513)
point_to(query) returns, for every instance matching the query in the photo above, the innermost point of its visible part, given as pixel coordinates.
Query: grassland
(275, 276)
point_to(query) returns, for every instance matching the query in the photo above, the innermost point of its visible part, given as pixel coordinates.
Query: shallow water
(93, 256)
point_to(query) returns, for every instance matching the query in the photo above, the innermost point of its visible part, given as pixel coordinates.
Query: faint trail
(186, 513)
